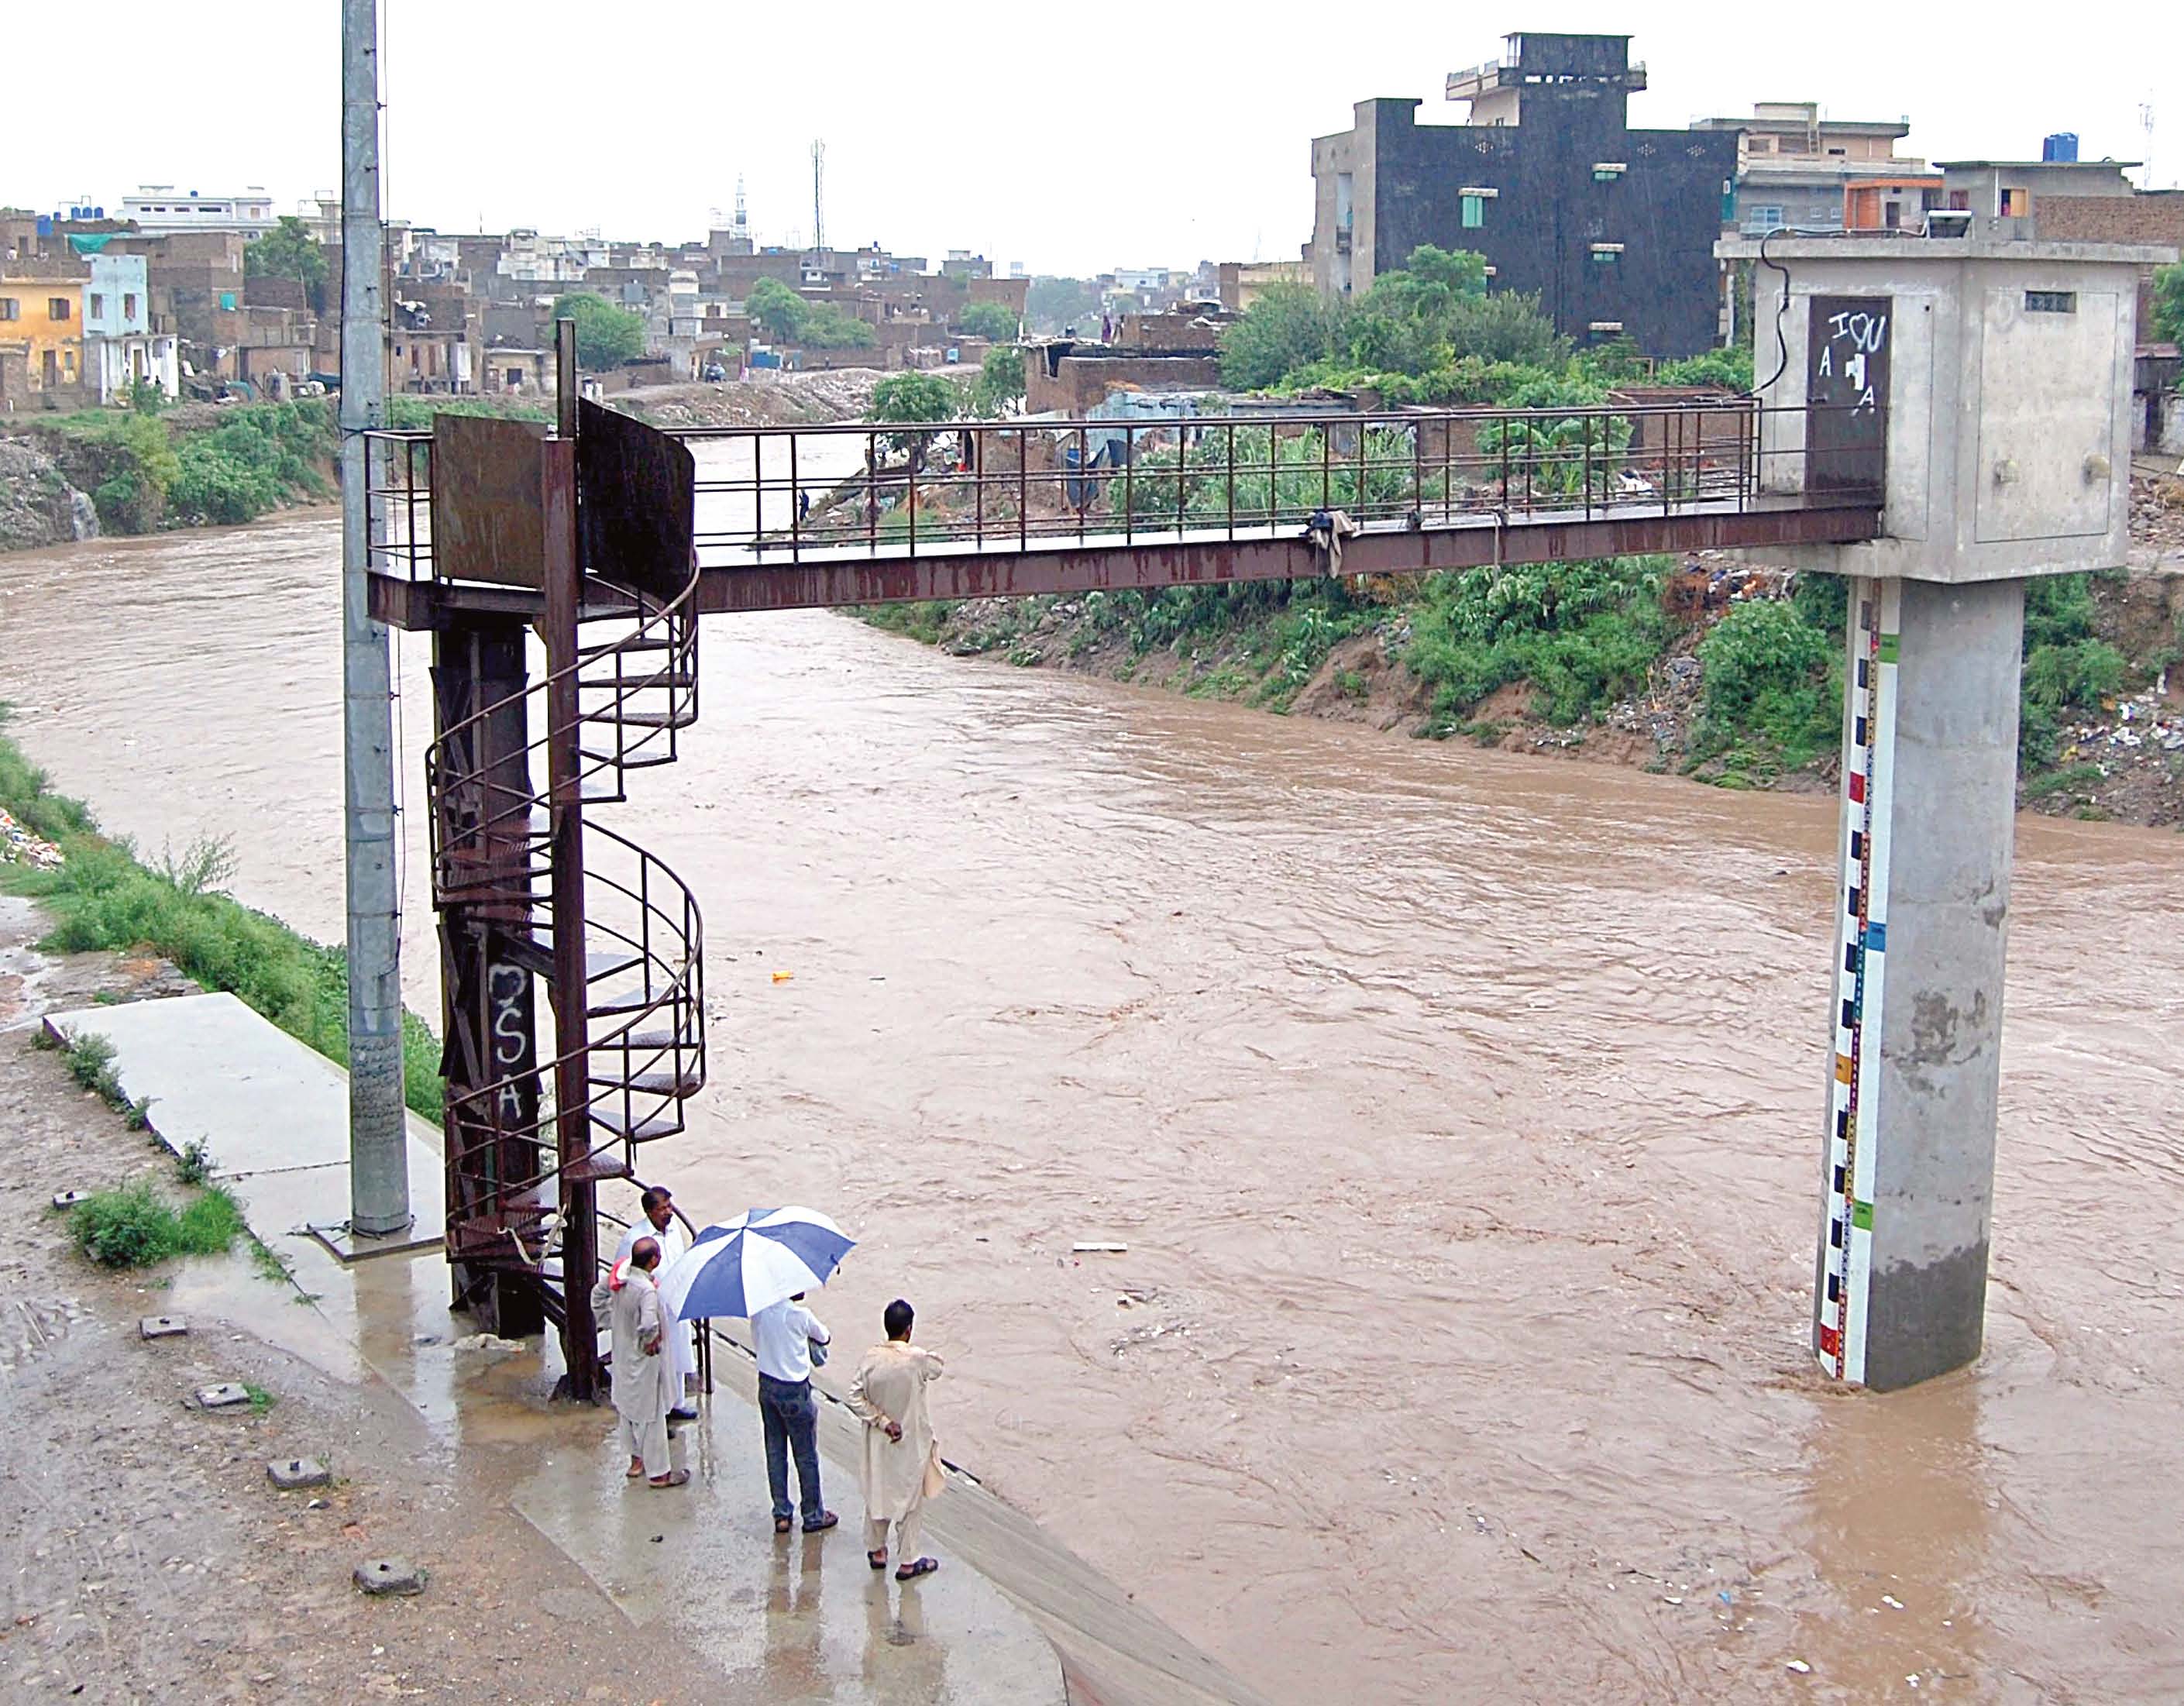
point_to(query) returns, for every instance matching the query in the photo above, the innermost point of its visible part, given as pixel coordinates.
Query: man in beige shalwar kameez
(901, 1467)
(631, 1303)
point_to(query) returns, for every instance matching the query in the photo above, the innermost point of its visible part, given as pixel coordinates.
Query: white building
(120, 348)
(160, 210)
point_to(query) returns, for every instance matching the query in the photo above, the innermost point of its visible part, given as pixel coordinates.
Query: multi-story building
(121, 350)
(1795, 169)
(1611, 228)
(161, 210)
(42, 327)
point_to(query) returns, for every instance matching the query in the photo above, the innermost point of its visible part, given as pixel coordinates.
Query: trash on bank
(1098, 1248)
(18, 846)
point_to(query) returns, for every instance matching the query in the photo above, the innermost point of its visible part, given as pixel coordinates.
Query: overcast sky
(1071, 139)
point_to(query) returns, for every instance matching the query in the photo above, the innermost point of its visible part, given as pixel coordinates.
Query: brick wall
(2156, 216)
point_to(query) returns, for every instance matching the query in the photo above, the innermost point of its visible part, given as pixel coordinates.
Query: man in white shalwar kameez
(658, 1203)
(630, 1302)
(901, 1467)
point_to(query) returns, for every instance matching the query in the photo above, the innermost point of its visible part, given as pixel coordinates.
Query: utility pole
(818, 197)
(378, 1157)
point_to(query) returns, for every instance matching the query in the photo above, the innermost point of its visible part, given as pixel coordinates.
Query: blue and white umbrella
(740, 1267)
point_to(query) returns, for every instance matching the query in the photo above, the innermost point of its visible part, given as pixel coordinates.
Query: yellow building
(41, 304)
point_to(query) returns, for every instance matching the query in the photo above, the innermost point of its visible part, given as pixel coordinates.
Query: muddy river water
(1460, 1113)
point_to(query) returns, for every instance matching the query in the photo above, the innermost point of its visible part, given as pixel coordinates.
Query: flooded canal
(1460, 1113)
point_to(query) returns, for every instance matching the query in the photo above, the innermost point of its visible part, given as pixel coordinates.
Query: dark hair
(898, 1319)
(654, 1196)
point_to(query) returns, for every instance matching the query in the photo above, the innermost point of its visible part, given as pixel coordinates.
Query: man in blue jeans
(786, 1332)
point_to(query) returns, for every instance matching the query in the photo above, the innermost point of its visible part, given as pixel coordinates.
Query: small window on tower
(1474, 212)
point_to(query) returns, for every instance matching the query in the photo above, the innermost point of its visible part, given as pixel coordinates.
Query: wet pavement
(798, 1618)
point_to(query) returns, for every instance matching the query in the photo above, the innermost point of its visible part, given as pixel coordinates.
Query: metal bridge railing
(769, 495)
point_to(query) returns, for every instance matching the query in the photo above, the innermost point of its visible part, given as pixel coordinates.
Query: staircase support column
(580, 1338)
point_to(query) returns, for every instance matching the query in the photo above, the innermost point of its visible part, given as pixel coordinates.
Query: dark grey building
(1612, 228)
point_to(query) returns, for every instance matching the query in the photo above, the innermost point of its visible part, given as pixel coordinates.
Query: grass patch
(260, 1400)
(104, 897)
(132, 1226)
(2076, 778)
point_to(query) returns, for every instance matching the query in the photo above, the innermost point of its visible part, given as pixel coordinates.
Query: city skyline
(1167, 167)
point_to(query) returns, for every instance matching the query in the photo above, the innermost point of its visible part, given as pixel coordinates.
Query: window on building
(2051, 302)
(2016, 204)
(1892, 216)
(1764, 218)
(1607, 171)
(98, 306)
(1606, 254)
(57, 308)
(128, 305)
(1471, 201)
(10, 309)
(1960, 201)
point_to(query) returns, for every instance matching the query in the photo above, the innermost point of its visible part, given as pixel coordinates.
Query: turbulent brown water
(1460, 1113)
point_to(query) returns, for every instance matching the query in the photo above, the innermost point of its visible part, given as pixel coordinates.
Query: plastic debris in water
(783, 977)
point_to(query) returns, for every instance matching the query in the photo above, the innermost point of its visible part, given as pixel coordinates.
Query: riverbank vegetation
(146, 469)
(104, 896)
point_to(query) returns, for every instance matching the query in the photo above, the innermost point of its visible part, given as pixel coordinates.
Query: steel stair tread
(645, 1130)
(644, 1042)
(687, 1083)
(597, 1167)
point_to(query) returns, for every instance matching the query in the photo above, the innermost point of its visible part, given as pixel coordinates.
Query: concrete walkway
(1011, 1616)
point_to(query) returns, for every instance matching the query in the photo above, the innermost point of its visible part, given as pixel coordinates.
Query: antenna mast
(819, 195)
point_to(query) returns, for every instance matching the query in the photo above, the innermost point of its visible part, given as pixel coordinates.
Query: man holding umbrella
(759, 1266)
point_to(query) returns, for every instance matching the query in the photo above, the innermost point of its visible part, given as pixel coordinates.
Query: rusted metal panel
(637, 501)
(1148, 567)
(488, 506)
(1847, 394)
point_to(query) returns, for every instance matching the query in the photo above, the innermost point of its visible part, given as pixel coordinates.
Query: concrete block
(390, 1576)
(163, 1326)
(226, 1395)
(288, 1473)
(69, 1199)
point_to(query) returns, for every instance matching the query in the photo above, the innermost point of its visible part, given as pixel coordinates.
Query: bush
(1769, 678)
(133, 468)
(1582, 634)
(134, 1227)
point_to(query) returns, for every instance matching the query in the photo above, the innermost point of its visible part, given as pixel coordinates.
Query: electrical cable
(1781, 312)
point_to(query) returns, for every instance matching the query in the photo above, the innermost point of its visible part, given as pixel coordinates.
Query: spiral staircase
(631, 1040)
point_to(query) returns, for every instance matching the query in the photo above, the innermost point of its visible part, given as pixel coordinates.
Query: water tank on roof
(2062, 146)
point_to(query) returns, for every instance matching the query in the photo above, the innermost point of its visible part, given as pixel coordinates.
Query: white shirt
(784, 1331)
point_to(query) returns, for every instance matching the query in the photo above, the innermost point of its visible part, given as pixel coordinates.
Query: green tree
(777, 311)
(826, 326)
(290, 251)
(1000, 387)
(916, 397)
(606, 336)
(2168, 303)
(1053, 304)
(1286, 328)
(987, 319)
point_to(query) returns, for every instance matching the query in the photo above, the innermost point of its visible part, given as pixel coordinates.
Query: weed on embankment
(103, 897)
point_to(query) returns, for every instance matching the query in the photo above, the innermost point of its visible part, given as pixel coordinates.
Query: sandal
(634, 1474)
(674, 1478)
(782, 1524)
(915, 1568)
(877, 1559)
